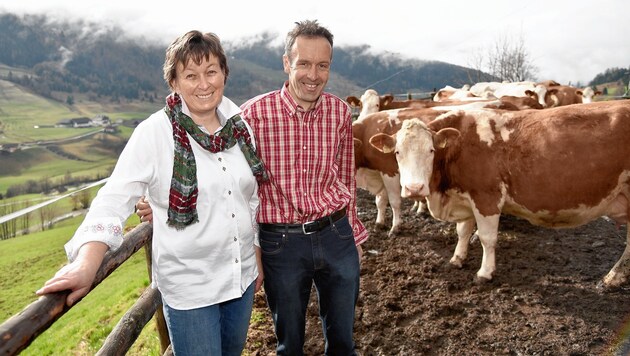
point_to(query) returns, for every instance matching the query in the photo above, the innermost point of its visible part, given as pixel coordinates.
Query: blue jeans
(292, 263)
(215, 330)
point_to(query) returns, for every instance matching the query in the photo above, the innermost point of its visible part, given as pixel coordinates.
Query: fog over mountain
(58, 58)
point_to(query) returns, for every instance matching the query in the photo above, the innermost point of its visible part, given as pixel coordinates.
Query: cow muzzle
(416, 190)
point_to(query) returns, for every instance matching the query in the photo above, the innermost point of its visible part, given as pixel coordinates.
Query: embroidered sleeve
(106, 230)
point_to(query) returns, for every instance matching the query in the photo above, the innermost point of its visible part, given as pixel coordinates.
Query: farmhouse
(76, 122)
(101, 120)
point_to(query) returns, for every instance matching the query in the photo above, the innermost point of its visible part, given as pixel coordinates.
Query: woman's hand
(77, 276)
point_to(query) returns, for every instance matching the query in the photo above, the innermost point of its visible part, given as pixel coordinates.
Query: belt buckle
(304, 227)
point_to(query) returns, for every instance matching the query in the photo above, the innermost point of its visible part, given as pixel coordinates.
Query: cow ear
(383, 143)
(386, 99)
(446, 137)
(353, 101)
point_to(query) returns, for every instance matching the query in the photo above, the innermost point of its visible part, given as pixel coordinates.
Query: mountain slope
(103, 63)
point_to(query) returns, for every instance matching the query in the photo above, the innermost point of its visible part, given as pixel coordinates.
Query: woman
(196, 160)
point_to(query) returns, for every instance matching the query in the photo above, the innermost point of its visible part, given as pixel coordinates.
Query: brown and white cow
(560, 95)
(516, 89)
(384, 186)
(560, 167)
(378, 172)
(369, 102)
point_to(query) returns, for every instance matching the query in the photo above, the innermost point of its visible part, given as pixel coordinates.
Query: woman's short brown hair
(193, 45)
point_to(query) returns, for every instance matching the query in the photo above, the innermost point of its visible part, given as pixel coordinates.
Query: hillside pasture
(39, 163)
(21, 111)
(27, 262)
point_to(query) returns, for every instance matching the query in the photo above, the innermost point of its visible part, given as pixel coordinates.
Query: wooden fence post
(165, 340)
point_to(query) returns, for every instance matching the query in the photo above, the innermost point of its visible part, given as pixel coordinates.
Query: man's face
(308, 67)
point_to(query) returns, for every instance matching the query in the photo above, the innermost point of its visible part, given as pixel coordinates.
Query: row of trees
(42, 218)
(47, 185)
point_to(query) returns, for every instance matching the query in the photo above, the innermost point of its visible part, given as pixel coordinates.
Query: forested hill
(56, 59)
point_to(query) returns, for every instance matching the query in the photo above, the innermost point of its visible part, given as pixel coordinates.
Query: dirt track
(542, 301)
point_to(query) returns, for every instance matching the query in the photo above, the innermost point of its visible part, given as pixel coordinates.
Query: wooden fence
(21, 329)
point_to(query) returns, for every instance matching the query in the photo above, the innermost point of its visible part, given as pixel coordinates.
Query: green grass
(27, 262)
(21, 111)
(38, 163)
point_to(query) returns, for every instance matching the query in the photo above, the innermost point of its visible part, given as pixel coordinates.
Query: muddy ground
(543, 299)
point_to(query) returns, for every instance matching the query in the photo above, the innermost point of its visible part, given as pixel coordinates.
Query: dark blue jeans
(292, 263)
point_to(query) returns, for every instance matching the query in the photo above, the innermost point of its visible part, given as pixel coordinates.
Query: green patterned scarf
(182, 208)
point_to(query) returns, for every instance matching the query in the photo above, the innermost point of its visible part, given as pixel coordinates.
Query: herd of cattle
(543, 151)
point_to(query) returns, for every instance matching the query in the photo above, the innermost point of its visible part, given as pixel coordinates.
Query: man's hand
(261, 275)
(360, 251)
(143, 210)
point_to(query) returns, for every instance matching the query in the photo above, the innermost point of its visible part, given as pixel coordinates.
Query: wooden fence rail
(20, 330)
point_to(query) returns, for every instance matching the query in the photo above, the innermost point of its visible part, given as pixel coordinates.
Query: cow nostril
(414, 189)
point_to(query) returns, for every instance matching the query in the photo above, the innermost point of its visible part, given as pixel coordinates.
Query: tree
(505, 60)
(85, 199)
(47, 214)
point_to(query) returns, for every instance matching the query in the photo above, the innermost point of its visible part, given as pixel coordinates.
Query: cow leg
(618, 275)
(420, 207)
(487, 230)
(372, 181)
(464, 230)
(381, 207)
(393, 188)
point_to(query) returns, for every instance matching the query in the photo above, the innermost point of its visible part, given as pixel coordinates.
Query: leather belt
(307, 228)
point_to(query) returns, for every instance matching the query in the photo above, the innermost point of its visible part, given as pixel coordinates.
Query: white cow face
(541, 92)
(370, 103)
(414, 153)
(587, 95)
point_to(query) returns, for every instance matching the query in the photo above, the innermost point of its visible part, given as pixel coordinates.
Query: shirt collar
(292, 106)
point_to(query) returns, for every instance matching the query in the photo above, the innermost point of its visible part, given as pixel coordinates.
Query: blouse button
(236, 260)
(224, 168)
(233, 215)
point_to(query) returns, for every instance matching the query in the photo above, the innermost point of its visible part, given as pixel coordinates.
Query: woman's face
(200, 85)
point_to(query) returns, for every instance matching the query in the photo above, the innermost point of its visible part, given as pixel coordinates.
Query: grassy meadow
(21, 111)
(27, 262)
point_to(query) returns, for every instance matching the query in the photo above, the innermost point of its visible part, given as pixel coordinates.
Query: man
(309, 231)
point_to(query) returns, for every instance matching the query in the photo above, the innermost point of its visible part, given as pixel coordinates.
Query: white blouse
(208, 262)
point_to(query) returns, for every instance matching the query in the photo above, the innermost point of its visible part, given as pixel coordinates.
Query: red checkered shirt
(309, 156)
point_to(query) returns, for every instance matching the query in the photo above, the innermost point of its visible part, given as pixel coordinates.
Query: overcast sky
(568, 40)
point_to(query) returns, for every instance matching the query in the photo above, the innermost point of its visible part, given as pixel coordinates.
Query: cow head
(539, 93)
(415, 146)
(587, 94)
